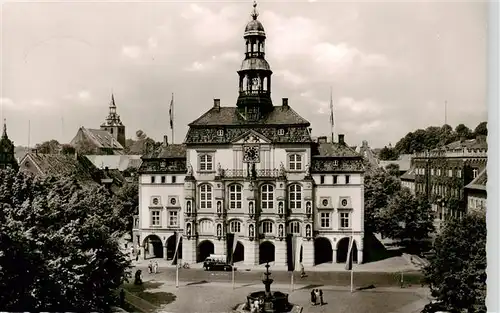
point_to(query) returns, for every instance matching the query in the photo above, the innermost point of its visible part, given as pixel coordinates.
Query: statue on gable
(189, 170)
(282, 170)
(219, 169)
(308, 170)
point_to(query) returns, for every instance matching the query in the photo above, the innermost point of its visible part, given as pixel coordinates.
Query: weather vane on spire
(255, 13)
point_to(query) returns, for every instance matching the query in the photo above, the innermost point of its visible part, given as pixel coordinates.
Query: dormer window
(206, 162)
(281, 132)
(295, 162)
(220, 132)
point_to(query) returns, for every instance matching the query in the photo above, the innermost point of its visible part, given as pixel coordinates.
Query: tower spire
(4, 133)
(255, 14)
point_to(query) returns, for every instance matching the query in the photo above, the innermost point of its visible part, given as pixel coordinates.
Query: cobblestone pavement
(221, 297)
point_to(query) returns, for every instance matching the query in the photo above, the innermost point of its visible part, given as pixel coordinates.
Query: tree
(58, 245)
(379, 188)
(388, 154)
(129, 197)
(406, 217)
(49, 147)
(463, 131)
(141, 144)
(481, 129)
(85, 147)
(67, 149)
(392, 169)
(457, 271)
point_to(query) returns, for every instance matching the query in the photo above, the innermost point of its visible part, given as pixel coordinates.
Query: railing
(464, 152)
(230, 173)
(253, 92)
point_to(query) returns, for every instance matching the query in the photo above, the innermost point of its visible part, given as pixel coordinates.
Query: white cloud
(290, 77)
(132, 52)
(196, 67)
(365, 106)
(84, 95)
(152, 42)
(7, 102)
(214, 62)
(212, 28)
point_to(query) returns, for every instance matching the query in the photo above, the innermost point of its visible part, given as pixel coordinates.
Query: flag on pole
(171, 112)
(348, 264)
(235, 243)
(177, 243)
(291, 242)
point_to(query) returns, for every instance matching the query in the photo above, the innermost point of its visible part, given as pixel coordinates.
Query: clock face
(251, 154)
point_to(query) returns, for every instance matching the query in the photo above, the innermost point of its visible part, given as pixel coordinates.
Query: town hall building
(252, 170)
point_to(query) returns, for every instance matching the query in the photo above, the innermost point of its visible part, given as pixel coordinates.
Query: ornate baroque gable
(230, 135)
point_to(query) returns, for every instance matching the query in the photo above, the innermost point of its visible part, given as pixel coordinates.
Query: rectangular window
(432, 172)
(174, 179)
(173, 219)
(344, 220)
(347, 179)
(163, 179)
(335, 177)
(206, 162)
(322, 179)
(155, 218)
(450, 173)
(459, 173)
(152, 179)
(325, 220)
(474, 173)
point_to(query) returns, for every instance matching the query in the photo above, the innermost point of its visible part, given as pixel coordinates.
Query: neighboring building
(7, 153)
(109, 139)
(369, 155)
(403, 162)
(73, 165)
(475, 193)
(408, 180)
(443, 173)
(253, 171)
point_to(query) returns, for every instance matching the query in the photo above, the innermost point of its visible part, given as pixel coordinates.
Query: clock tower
(254, 99)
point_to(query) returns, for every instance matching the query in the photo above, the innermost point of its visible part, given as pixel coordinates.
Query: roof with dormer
(171, 151)
(100, 138)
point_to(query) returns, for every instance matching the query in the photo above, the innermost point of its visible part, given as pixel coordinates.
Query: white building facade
(252, 172)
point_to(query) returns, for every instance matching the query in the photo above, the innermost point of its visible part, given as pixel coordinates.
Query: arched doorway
(171, 242)
(342, 249)
(205, 248)
(153, 247)
(239, 252)
(266, 252)
(323, 251)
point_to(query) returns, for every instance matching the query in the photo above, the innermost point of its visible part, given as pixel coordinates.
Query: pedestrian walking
(150, 267)
(155, 267)
(321, 297)
(316, 296)
(302, 271)
(313, 297)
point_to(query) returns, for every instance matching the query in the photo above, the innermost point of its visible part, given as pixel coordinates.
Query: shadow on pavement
(376, 251)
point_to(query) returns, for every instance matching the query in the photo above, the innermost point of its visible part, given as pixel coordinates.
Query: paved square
(212, 298)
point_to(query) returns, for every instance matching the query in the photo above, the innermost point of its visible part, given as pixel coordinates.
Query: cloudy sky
(391, 66)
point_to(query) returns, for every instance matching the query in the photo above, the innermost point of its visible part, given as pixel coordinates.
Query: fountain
(269, 301)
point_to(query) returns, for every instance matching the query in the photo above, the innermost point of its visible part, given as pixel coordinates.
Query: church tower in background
(113, 124)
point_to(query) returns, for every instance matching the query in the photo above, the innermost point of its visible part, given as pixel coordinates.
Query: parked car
(216, 265)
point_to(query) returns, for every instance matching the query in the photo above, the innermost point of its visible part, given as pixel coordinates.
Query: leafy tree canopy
(388, 153)
(49, 147)
(457, 271)
(406, 217)
(58, 245)
(433, 137)
(380, 186)
(392, 169)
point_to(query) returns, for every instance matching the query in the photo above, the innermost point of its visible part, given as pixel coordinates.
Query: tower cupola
(254, 99)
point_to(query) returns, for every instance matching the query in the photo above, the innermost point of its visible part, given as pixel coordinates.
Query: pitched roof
(478, 143)
(404, 162)
(229, 116)
(62, 165)
(479, 183)
(333, 149)
(115, 162)
(409, 175)
(101, 138)
(172, 151)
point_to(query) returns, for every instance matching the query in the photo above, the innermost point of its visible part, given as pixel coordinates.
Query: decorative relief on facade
(327, 165)
(209, 135)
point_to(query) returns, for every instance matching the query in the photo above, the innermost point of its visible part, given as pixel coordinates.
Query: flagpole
(172, 118)
(177, 274)
(331, 115)
(352, 266)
